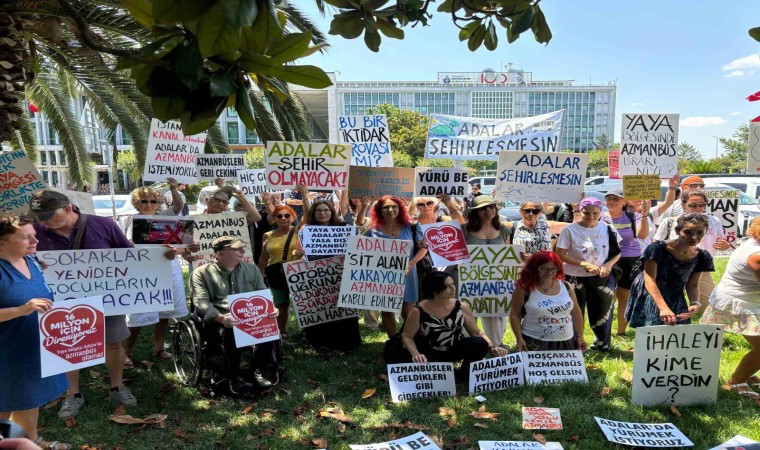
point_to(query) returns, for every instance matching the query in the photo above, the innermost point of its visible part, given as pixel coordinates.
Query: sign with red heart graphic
(446, 243)
(251, 311)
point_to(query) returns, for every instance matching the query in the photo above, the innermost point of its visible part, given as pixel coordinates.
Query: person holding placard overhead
(533, 231)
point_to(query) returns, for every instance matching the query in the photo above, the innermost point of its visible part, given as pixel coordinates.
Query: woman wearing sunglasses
(533, 231)
(274, 252)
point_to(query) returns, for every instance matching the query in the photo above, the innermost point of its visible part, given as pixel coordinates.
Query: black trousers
(216, 334)
(596, 296)
(467, 350)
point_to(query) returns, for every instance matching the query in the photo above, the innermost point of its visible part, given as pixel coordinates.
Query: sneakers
(260, 382)
(70, 406)
(123, 395)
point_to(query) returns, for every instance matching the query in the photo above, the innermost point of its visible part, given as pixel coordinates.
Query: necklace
(543, 289)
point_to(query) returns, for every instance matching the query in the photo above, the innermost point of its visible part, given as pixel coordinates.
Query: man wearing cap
(210, 285)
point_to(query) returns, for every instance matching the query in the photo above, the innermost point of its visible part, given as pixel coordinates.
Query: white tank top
(548, 317)
(739, 290)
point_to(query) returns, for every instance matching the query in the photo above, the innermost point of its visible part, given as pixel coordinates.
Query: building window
(62, 157)
(43, 159)
(434, 103)
(51, 156)
(54, 180)
(231, 112)
(52, 135)
(233, 137)
(359, 104)
(251, 137)
(44, 174)
(491, 104)
(124, 137)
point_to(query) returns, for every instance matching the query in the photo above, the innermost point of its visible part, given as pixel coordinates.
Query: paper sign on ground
(369, 138)
(724, 204)
(210, 227)
(131, 280)
(211, 167)
(157, 231)
(538, 418)
(252, 182)
(19, 180)
(734, 442)
(496, 374)
(613, 163)
(417, 441)
(551, 367)
(745, 447)
(316, 165)
(463, 138)
(676, 365)
(649, 144)
(486, 283)
(434, 181)
(374, 181)
(446, 243)
(252, 312)
(540, 176)
(171, 153)
(753, 149)
(509, 445)
(72, 336)
(83, 200)
(374, 275)
(314, 289)
(643, 434)
(641, 187)
(319, 240)
(412, 381)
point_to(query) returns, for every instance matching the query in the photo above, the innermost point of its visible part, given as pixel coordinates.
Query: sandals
(744, 390)
(128, 364)
(52, 445)
(162, 354)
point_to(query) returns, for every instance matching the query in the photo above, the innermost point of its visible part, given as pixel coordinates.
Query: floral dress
(441, 334)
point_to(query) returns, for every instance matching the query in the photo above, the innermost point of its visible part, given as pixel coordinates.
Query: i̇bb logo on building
(448, 242)
(74, 334)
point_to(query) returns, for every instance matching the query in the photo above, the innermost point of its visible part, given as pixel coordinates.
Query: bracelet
(697, 303)
(672, 188)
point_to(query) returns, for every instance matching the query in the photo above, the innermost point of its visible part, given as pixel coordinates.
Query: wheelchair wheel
(188, 361)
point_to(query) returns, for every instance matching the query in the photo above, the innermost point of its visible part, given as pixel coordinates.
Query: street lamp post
(717, 141)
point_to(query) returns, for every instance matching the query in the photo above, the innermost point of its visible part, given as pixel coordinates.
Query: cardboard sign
(498, 445)
(486, 283)
(417, 441)
(496, 374)
(316, 165)
(372, 181)
(374, 276)
(252, 310)
(252, 182)
(643, 434)
(724, 204)
(649, 145)
(211, 167)
(314, 289)
(467, 138)
(753, 148)
(551, 367)
(446, 243)
(157, 231)
(613, 163)
(72, 336)
(319, 240)
(171, 153)
(369, 138)
(421, 380)
(540, 176)
(435, 181)
(537, 418)
(676, 365)
(83, 200)
(19, 180)
(641, 187)
(210, 227)
(131, 280)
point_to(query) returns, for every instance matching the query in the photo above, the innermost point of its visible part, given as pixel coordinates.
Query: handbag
(275, 273)
(425, 265)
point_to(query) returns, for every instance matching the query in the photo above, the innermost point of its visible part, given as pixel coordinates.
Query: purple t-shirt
(99, 232)
(629, 246)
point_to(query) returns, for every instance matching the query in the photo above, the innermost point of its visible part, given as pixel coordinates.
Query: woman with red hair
(544, 312)
(273, 252)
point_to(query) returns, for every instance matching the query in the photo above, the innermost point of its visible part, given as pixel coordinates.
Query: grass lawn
(289, 418)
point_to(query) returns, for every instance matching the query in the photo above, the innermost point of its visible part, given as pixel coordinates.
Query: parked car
(749, 185)
(104, 206)
(487, 184)
(510, 212)
(602, 184)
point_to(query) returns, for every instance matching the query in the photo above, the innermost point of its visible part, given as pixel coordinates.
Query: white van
(749, 185)
(602, 184)
(487, 184)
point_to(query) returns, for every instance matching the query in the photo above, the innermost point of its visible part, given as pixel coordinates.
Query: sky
(691, 57)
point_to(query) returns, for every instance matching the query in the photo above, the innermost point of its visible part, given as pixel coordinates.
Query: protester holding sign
(351, 207)
(279, 246)
(690, 183)
(218, 202)
(23, 293)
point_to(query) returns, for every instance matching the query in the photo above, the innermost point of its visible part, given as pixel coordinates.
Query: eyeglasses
(218, 200)
(531, 210)
(696, 205)
(548, 269)
(696, 185)
(145, 202)
(420, 205)
(389, 207)
(321, 211)
(282, 216)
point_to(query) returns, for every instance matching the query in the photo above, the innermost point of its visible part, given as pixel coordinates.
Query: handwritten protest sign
(72, 336)
(368, 181)
(537, 418)
(83, 200)
(211, 167)
(540, 176)
(417, 441)
(131, 280)
(724, 204)
(737, 443)
(499, 445)
(676, 365)
(369, 138)
(486, 283)
(434, 181)
(316, 165)
(551, 367)
(210, 227)
(19, 180)
(421, 380)
(613, 163)
(753, 149)
(252, 182)
(643, 434)
(252, 312)
(496, 374)
(375, 275)
(318, 240)
(314, 289)
(649, 144)
(641, 187)
(463, 138)
(171, 153)
(157, 231)
(446, 243)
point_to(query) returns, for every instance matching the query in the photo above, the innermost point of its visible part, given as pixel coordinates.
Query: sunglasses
(420, 205)
(531, 210)
(282, 216)
(696, 205)
(697, 185)
(390, 207)
(145, 202)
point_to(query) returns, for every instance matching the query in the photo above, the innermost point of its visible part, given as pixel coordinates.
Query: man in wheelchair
(209, 287)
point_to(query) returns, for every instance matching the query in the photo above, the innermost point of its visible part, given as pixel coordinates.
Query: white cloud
(736, 73)
(699, 121)
(747, 62)
(737, 113)
(637, 104)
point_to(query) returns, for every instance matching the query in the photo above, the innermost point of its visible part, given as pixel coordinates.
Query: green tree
(736, 148)
(479, 166)
(128, 164)
(710, 166)
(598, 161)
(254, 158)
(602, 142)
(687, 154)
(408, 130)
(401, 159)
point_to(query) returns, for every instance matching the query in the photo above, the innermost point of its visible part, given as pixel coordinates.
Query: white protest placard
(19, 180)
(649, 144)
(753, 148)
(724, 205)
(72, 336)
(486, 283)
(83, 200)
(538, 418)
(131, 280)
(158, 231)
(226, 166)
(540, 176)
(421, 380)
(552, 367)
(369, 138)
(210, 227)
(676, 365)
(314, 288)
(417, 441)
(316, 165)
(733, 442)
(171, 153)
(496, 374)
(252, 181)
(435, 181)
(252, 311)
(446, 243)
(643, 434)
(374, 276)
(500, 445)
(325, 240)
(467, 138)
